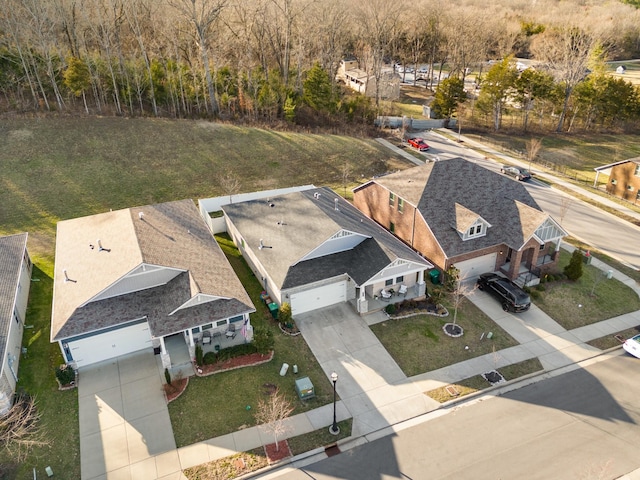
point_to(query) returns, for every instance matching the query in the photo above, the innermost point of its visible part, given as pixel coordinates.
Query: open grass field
(60, 168)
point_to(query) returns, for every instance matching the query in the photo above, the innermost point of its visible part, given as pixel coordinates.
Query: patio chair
(206, 337)
(402, 290)
(386, 296)
(231, 331)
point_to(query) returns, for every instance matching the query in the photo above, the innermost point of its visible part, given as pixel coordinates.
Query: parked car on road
(632, 346)
(418, 143)
(519, 173)
(510, 295)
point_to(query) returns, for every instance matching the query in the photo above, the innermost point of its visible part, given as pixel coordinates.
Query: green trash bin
(435, 276)
(273, 308)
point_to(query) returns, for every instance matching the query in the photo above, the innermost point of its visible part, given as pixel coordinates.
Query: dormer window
(475, 231)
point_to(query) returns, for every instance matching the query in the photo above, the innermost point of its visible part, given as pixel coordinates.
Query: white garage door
(318, 297)
(110, 344)
(471, 269)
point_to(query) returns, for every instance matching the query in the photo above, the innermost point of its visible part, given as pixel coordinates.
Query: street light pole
(334, 429)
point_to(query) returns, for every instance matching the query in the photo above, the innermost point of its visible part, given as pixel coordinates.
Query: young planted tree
(533, 147)
(77, 78)
(273, 413)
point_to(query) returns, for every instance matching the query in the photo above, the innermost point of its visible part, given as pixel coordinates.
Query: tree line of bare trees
(251, 58)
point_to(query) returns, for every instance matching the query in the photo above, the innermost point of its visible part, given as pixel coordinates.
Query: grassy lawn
(610, 341)
(60, 168)
(36, 376)
(572, 305)
(418, 344)
(477, 382)
(227, 395)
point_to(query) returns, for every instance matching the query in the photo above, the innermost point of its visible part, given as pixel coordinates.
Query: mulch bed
(176, 388)
(234, 363)
(274, 454)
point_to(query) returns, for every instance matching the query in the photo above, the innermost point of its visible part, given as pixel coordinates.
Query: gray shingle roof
(12, 249)
(171, 235)
(439, 189)
(294, 225)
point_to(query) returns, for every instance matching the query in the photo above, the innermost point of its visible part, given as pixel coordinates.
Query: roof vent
(66, 277)
(262, 245)
(335, 205)
(316, 195)
(101, 248)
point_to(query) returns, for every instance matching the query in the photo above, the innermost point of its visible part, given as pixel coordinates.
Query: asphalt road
(604, 231)
(580, 425)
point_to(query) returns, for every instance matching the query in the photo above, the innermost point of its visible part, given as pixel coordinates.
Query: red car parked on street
(418, 143)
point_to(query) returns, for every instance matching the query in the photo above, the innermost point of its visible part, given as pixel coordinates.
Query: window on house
(388, 283)
(392, 227)
(400, 279)
(638, 195)
(478, 229)
(208, 326)
(220, 323)
(542, 246)
(195, 330)
(637, 172)
(392, 199)
(400, 205)
(475, 230)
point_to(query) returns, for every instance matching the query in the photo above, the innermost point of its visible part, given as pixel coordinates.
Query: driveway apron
(125, 430)
(370, 384)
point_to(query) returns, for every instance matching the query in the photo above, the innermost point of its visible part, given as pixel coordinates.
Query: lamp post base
(332, 431)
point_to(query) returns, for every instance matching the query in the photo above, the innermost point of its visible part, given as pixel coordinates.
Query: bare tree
(565, 205)
(203, 15)
(379, 22)
(230, 184)
(272, 414)
(20, 428)
(533, 146)
(565, 51)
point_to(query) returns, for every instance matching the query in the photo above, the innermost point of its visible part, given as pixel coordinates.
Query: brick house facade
(624, 179)
(445, 211)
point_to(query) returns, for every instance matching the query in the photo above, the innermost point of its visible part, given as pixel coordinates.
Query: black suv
(511, 296)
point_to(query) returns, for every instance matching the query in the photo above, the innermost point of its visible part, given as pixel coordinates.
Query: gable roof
(93, 253)
(448, 193)
(292, 226)
(607, 168)
(12, 250)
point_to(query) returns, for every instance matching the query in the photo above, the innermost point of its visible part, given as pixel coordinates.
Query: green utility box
(304, 388)
(273, 308)
(435, 276)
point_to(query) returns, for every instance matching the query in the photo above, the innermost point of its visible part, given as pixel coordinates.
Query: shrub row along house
(154, 276)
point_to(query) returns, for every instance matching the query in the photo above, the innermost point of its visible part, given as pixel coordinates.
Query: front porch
(376, 303)
(178, 353)
(530, 277)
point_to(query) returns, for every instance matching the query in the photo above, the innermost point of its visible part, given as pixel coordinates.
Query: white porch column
(191, 342)
(163, 348)
(421, 286)
(421, 276)
(558, 244)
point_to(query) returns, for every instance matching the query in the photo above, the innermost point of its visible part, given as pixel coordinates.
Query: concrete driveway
(371, 385)
(125, 431)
